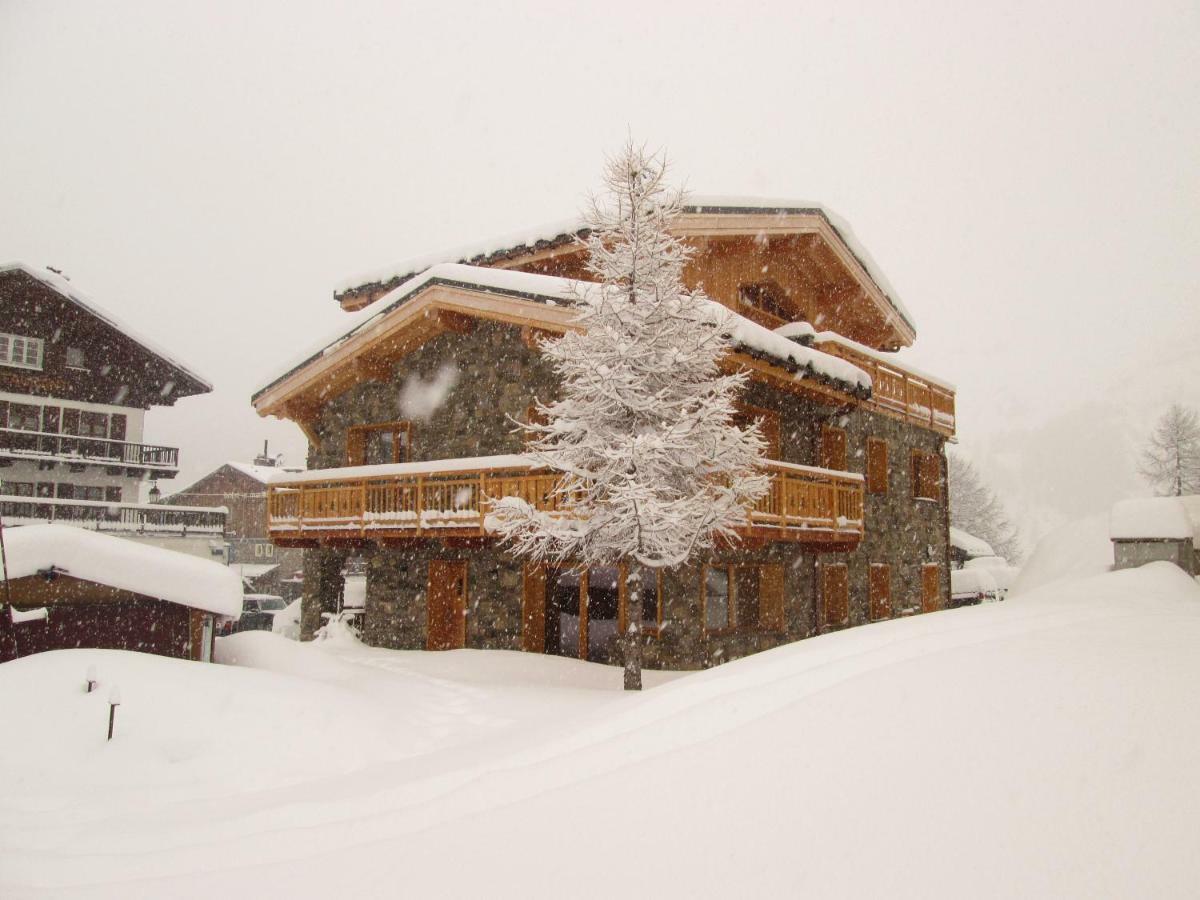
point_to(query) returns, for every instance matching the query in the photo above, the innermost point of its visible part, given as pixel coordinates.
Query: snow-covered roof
(969, 544)
(553, 290)
(888, 359)
(125, 565)
(262, 474)
(252, 570)
(564, 230)
(62, 286)
(1150, 518)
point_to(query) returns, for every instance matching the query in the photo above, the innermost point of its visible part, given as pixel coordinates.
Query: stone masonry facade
(498, 377)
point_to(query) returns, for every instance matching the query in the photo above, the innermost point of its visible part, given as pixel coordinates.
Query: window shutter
(770, 593)
(931, 587)
(833, 448)
(877, 466)
(881, 591)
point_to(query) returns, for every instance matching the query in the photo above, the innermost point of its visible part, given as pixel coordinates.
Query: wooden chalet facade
(854, 529)
(75, 385)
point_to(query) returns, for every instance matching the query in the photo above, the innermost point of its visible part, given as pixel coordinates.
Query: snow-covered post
(654, 469)
(91, 678)
(114, 700)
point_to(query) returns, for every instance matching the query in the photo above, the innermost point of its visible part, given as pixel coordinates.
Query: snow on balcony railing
(455, 496)
(150, 518)
(72, 448)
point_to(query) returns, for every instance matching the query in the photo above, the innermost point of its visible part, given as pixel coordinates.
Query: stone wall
(497, 378)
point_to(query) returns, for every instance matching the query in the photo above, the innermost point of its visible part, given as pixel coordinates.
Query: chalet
(408, 411)
(75, 385)
(70, 587)
(241, 489)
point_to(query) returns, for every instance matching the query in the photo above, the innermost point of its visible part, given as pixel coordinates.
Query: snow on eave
(261, 474)
(123, 564)
(66, 289)
(969, 544)
(552, 290)
(1150, 519)
(888, 359)
(427, 467)
(563, 231)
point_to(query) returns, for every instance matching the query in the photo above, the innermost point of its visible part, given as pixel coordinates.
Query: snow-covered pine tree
(655, 470)
(1171, 458)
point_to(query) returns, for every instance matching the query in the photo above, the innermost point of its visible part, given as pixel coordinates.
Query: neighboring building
(75, 385)
(1152, 529)
(241, 488)
(965, 546)
(409, 415)
(70, 587)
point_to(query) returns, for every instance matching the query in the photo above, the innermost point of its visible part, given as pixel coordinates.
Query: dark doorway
(582, 614)
(603, 603)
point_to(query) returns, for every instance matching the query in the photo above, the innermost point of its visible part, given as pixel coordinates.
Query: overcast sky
(1027, 176)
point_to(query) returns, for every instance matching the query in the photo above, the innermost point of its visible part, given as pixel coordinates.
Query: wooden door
(881, 591)
(835, 594)
(770, 598)
(533, 609)
(931, 587)
(447, 599)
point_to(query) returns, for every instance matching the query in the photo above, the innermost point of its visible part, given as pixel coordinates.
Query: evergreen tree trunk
(632, 644)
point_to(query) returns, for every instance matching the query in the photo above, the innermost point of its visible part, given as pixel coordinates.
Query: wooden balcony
(914, 397)
(803, 504)
(134, 518)
(75, 449)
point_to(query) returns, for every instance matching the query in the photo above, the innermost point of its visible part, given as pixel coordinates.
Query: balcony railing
(803, 503)
(76, 448)
(915, 397)
(141, 518)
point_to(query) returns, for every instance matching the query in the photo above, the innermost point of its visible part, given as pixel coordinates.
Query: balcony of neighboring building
(451, 498)
(74, 449)
(131, 518)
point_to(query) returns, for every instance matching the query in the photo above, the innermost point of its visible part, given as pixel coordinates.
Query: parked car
(258, 613)
(1002, 573)
(971, 586)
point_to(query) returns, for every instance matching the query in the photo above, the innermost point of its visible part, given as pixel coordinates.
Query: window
(16, 488)
(717, 597)
(877, 466)
(75, 358)
(371, 445)
(881, 591)
(747, 597)
(261, 550)
(24, 417)
(20, 351)
(765, 296)
(926, 475)
(833, 448)
(835, 595)
(93, 424)
(768, 423)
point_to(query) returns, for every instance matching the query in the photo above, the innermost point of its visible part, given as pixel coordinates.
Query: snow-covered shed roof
(262, 474)
(552, 290)
(1150, 519)
(252, 570)
(563, 231)
(969, 544)
(125, 565)
(66, 289)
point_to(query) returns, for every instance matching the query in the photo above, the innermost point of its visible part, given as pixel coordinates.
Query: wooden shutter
(835, 594)
(877, 466)
(833, 448)
(881, 591)
(533, 609)
(931, 587)
(932, 476)
(770, 598)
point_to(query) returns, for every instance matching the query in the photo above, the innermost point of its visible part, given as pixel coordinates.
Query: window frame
(356, 441)
(8, 344)
(766, 574)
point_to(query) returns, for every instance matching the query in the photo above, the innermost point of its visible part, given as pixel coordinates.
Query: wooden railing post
(420, 501)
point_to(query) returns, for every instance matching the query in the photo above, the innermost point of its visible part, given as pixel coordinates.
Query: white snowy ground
(1045, 746)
